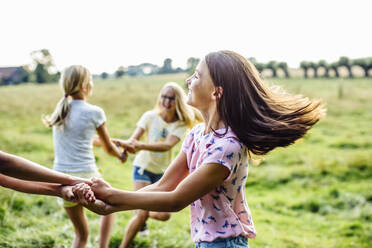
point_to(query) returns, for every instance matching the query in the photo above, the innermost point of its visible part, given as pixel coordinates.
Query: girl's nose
(188, 81)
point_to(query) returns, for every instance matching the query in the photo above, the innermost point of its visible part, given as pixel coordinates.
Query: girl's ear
(218, 92)
(85, 89)
(82, 89)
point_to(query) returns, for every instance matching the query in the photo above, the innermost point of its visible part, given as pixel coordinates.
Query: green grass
(317, 192)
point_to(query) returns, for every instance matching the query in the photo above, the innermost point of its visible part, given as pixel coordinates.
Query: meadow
(318, 192)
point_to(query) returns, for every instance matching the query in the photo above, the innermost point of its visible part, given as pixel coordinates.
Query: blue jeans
(140, 175)
(231, 242)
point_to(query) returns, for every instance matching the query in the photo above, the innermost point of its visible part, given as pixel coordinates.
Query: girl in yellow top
(164, 126)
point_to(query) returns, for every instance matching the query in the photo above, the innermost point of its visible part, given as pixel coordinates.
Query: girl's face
(168, 100)
(201, 87)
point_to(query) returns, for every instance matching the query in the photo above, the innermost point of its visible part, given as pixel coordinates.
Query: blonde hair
(72, 80)
(184, 112)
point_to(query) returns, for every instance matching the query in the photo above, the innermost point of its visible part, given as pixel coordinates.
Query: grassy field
(317, 192)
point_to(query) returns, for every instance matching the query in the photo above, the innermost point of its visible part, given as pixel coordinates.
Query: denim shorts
(142, 175)
(230, 242)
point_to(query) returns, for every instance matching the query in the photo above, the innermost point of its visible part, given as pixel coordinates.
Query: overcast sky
(103, 35)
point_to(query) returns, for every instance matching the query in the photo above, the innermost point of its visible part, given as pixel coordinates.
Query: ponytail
(59, 115)
(73, 78)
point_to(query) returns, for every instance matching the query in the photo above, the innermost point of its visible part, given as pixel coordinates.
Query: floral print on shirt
(223, 212)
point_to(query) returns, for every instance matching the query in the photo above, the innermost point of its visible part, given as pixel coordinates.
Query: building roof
(6, 72)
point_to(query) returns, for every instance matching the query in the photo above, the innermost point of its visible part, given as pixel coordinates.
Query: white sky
(103, 35)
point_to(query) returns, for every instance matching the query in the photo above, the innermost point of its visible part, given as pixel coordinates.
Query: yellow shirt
(157, 130)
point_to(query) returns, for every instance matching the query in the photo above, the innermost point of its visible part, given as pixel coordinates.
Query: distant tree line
(364, 63)
(147, 69)
(43, 69)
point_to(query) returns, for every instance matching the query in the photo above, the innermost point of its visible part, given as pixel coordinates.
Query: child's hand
(83, 194)
(100, 188)
(101, 207)
(127, 145)
(124, 156)
(136, 144)
(67, 193)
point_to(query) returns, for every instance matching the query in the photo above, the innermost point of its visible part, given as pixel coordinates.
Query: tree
(167, 66)
(272, 65)
(284, 67)
(191, 64)
(104, 75)
(322, 63)
(305, 66)
(259, 66)
(41, 73)
(314, 66)
(365, 64)
(345, 61)
(334, 67)
(120, 72)
(45, 69)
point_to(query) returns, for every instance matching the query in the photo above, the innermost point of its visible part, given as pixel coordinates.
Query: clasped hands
(131, 146)
(93, 195)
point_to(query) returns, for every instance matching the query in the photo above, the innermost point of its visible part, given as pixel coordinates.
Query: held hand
(124, 156)
(67, 193)
(100, 188)
(137, 144)
(101, 207)
(83, 194)
(127, 145)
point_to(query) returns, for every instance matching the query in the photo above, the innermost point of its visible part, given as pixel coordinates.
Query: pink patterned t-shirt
(223, 212)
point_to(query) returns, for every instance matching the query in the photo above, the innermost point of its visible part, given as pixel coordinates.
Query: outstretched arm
(41, 188)
(137, 134)
(109, 146)
(30, 186)
(194, 186)
(21, 168)
(160, 146)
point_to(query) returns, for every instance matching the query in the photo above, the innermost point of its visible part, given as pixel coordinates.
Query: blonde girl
(164, 126)
(75, 123)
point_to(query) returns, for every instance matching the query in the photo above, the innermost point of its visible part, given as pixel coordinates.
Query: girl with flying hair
(75, 123)
(164, 126)
(242, 116)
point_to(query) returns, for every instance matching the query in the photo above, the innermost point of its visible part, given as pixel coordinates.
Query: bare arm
(21, 168)
(108, 146)
(97, 141)
(207, 177)
(161, 146)
(30, 186)
(40, 188)
(174, 174)
(137, 134)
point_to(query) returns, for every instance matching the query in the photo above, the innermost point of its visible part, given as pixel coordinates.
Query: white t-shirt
(73, 144)
(157, 130)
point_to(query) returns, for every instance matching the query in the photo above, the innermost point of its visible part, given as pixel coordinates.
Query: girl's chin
(167, 109)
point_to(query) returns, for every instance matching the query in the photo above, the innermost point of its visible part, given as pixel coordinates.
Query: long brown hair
(262, 118)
